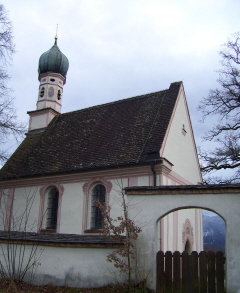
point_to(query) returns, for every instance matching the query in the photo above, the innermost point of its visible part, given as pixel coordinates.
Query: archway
(159, 201)
(203, 230)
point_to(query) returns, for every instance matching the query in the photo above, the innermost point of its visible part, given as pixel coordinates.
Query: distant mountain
(213, 233)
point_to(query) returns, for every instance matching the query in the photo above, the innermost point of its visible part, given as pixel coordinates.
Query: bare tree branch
(224, 104)
(9, 126)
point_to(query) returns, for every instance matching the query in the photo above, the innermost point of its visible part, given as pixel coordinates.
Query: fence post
(160, 272)
(176, 272)
(185, 272)
(203, 271)
(194, 272)
(168, 272)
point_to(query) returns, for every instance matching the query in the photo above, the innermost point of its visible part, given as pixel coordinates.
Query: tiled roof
(114, 134)
(57, 239)
(189, 189)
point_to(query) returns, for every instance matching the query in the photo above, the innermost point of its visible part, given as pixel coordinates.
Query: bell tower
(52, 69)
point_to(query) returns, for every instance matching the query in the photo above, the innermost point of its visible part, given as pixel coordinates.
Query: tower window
(52, 79)
(59, 95)
(42, 92)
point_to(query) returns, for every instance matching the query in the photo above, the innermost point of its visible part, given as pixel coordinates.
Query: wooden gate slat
(168, 272)
(220, 260)
(203, 271)
(194, 272)
(160, 272)
(176, 272)
(197, 276)
(185, 272)
(211, 272)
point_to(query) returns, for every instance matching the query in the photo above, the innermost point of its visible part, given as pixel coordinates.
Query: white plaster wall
(143, 181)
(39, 121)
(179, 149)
(115, 198)
(226, 205)
(41, 104)
(74, 267)
(26, 199)
(72, 209)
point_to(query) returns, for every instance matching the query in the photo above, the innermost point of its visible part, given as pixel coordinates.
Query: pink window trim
(7, 226)
(196, 228)
(42, 192)
(186, 236)
(86, 187)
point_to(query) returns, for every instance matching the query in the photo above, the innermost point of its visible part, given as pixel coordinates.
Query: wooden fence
(190, 273)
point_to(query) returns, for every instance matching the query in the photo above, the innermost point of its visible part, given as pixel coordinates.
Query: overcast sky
(119, 49)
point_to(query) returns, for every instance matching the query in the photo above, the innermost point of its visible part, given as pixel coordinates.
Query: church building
(69, 160)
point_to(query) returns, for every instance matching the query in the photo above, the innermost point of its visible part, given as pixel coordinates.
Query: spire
(56, 37)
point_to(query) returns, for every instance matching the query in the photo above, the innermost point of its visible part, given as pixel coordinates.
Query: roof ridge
(114, 102)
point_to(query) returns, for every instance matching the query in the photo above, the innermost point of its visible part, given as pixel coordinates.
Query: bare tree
(123, 230)
(17, 258)
(224, 104)
(8, 123)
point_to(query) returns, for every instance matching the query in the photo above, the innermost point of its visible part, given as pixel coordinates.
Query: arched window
(52, 208)
(187, 236)
(98, 194)
(59, 95)
(41, 94)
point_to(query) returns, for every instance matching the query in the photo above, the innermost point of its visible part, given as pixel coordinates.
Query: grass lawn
(21, 287)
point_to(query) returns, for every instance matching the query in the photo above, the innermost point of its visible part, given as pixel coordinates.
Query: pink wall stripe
(132, 181)
(175, 230)
(162, 234)
(196, 228)
(8, 219)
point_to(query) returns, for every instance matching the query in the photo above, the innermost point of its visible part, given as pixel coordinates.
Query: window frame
(87, 190)
(97, 193)
(44, 195)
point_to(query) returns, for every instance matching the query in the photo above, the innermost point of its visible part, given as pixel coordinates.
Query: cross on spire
(56, 37)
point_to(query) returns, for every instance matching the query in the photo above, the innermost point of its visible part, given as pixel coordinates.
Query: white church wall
(72, 209)
(72, 266)
(38, 121)
(179, 147)
(143, 181)
(26, 201)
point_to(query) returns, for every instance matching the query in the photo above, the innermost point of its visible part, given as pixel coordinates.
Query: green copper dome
(53, 61)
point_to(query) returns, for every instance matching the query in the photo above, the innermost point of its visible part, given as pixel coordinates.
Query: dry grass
(7, 286)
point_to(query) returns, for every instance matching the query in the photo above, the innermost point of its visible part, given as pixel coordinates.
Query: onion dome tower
(52, 69)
